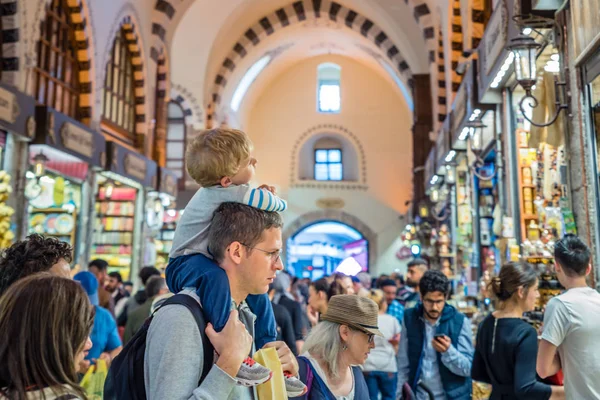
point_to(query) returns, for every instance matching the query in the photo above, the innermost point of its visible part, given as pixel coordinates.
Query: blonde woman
(381, 369)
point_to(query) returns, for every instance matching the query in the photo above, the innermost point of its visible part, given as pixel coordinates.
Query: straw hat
(355, 311)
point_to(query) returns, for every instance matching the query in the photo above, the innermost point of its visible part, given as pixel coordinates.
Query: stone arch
(11, 45)
(313, 217)
(456, 45)
(299, 12)
(135, 44)
(439, 78)
(84, 39)
(334, 129)
(164, 13)
(422, 14)
(191, 107)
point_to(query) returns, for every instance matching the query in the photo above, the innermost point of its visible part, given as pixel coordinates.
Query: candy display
(6, 212)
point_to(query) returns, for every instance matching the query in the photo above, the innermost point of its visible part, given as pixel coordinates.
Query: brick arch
(191, 107)
(439, 77)
(422, 13)
(335, 129)
(136, 48)
(11, 45)
(299, 12)
(163, 15)
(84, 36)
(313, 217)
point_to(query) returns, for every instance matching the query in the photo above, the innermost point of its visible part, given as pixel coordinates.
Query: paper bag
(93, 380)
(275, 388)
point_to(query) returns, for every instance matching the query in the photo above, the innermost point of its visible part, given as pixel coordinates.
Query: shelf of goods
(54, 222)
(113, 234)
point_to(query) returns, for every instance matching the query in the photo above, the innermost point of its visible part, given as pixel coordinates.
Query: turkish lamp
(109, 188)
(39, 164)
(450, 174)
(434, 196)
(476, 135)
(525, 50)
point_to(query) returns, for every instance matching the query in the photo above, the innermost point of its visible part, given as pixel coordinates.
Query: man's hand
(441, 344)
(395, 341)
(233, 344)
(269, 188)
(287, 358)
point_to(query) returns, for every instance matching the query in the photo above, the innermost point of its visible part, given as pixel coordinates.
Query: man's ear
(588, 270)
(225, 181)
(235, 251)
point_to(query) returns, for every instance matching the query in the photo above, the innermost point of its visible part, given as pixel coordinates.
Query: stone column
(422, 125)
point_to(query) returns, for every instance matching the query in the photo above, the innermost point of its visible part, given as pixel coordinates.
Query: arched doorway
(326, 246)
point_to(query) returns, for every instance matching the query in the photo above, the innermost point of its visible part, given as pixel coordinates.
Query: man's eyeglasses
(275, 256)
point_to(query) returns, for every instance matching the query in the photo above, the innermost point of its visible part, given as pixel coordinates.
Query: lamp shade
(525, 50)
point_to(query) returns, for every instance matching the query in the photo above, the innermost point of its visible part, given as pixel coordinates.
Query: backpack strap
(196, 309)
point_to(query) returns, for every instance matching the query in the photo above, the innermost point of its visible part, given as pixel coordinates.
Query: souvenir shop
(519, 72)
(121, 209)
(17, 127)
(63, 156)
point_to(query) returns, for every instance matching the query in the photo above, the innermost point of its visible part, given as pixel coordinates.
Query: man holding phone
(436, 346)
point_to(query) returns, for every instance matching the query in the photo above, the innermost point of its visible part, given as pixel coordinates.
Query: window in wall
(328, 91)
(56, 73)
(119, 91)
(176, 137)
(328, 165)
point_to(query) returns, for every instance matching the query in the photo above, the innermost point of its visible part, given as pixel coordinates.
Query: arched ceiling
(212, 46)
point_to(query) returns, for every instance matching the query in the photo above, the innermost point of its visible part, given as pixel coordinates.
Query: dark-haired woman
(45, 322)
(319, 293)
(506, 350)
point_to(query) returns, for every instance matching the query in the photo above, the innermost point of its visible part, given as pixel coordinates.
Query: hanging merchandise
(6, 212)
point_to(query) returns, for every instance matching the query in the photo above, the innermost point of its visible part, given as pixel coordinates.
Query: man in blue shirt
(106, 343)
(395, 309)
(436, 346)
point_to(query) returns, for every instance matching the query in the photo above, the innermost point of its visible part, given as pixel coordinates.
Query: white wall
(375, 114)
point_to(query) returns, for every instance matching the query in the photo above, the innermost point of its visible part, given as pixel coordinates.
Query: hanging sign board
(17, 112)
(63, 133)
(442, 146)
(168, 182)
(130, 164)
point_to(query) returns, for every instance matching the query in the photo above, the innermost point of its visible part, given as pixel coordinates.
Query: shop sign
(9, 108)
(135, 166)
(331, 203)
(168, 182)
(495, 38)
(77, 139)
(17, 112)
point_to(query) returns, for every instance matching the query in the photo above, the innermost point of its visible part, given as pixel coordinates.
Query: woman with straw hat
(336, 346)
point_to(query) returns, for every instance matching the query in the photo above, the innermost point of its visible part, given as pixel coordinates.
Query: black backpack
(125, 378)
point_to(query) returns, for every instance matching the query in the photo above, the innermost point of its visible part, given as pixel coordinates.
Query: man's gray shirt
(174, 358)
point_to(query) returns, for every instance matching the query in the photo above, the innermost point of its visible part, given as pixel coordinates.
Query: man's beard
(411, 283)
(431, 316)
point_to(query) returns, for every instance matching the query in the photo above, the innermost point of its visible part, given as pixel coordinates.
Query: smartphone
(438, 335)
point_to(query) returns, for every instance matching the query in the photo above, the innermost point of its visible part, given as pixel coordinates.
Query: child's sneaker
(252, 373)
(293, 385)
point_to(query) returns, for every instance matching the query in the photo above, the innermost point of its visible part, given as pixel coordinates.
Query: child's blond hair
(217, 153)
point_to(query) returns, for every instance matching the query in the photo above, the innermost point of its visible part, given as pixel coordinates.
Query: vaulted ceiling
(214, 43)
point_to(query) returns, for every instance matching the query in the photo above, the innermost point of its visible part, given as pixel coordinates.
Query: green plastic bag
(93, 380)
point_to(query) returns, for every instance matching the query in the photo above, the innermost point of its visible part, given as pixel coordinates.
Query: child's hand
(269, 188)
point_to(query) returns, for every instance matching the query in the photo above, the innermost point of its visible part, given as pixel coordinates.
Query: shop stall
(17, 127)
(63, 155)
(535, 133)
(120, 210)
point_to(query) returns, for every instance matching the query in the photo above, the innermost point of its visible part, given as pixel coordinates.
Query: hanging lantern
(525, 51)
(39, 164)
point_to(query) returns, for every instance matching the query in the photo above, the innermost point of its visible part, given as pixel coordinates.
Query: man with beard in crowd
(409, 297)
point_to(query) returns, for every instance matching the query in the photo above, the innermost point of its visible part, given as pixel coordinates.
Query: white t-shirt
(383, 357)
(572, 323)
